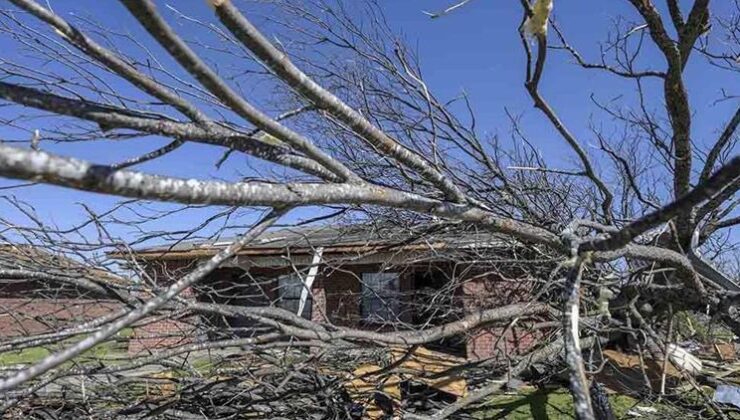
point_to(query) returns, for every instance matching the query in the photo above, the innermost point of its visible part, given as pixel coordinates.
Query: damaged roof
(336, 239)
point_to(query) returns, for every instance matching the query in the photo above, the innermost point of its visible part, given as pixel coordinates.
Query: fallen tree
(357, 135)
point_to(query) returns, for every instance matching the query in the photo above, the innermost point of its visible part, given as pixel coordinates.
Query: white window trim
(308, 281)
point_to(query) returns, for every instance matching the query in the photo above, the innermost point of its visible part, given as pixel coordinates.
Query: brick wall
(337, 298)
(488, 343)
(156, 334)
(486, 292)
(20, 316)
(319, 308)
(341, 290)
(337, 294)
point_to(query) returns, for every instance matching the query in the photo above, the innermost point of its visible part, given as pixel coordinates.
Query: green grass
(25, 356)
(35, 354)
(551, 404)
(689, 326)
(111, 349)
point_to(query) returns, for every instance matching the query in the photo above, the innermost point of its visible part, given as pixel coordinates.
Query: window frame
(384, 298)
(295, 296)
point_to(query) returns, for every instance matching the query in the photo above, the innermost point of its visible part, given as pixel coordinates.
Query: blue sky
(475, 50)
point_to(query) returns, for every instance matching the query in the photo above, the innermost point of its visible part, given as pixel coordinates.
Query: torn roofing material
(333, 239)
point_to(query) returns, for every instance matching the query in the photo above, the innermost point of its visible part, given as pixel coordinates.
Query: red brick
(20, 316)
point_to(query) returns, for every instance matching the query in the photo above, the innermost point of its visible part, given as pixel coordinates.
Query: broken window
(290, 287)
(380, 296)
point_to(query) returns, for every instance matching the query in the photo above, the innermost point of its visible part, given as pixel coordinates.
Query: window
(380, 296)
(289, 294)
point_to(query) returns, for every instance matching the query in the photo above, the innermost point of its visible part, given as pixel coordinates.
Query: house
(43, 292)
(358, 276)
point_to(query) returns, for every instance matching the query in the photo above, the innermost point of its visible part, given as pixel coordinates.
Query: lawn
(107, 350)
(557, 403)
